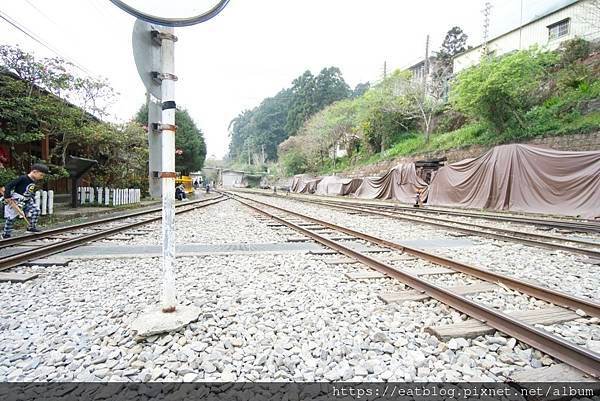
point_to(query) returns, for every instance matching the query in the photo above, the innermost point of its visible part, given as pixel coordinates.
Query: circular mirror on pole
(148, 10)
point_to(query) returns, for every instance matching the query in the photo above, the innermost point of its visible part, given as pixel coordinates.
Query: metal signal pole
(156, 68)
(168, 174)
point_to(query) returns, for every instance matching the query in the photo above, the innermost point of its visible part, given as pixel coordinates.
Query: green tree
(499, 91)
(302, 103)
(44, 97)
(255, 134)
(189, 139)
(360, 89)
(310, 94)
(454, 43)
(385, 111)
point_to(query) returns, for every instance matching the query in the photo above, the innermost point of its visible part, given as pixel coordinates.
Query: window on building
(559, 29)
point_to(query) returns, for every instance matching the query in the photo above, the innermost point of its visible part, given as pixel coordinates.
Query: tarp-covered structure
(400, 183)
(333, 185)
(304, 184)
(522, 178)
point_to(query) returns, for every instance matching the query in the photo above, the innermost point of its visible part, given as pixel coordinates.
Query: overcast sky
(250, 51)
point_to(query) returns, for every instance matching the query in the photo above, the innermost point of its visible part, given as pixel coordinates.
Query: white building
(558, 21)
(232, 178)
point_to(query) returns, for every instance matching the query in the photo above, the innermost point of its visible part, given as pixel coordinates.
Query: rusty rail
(43, 251)
(511, 235)
(60, 230)
(572, 354)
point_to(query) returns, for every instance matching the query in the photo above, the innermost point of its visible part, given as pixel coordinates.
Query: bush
(294, 163)
(499, 91)
(574, 76)
(449, 120)
(6, 175)
(573, 50)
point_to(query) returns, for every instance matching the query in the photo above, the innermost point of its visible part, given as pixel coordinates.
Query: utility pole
(521, 25)
(263, 153)
(486, 28)
(384, 69)
(426, 66)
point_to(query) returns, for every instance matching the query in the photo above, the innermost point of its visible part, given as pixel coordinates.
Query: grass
(413, 143)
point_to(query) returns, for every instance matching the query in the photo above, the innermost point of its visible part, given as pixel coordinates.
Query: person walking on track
(19, 200)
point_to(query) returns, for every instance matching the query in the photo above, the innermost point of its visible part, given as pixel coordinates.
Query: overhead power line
(19, 26)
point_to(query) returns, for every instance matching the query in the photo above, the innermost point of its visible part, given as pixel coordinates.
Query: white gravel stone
(267, 316)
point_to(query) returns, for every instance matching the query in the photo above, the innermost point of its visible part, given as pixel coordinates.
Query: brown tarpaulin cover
(400, 183)
(333, 185)
(522, 178)
(304, 184)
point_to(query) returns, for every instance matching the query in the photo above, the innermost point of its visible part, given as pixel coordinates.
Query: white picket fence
(44, 200)
(108, 196)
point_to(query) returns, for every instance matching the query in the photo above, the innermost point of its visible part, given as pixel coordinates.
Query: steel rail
(581, 225)
(572, 354)
(511, 236)
(552, 296)
(15, 260)
(563, 224)
(60, 230)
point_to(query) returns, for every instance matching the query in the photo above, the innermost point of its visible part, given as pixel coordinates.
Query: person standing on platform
(19, 200)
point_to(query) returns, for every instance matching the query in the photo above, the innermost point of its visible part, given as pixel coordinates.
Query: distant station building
(546, 24)
(232, 178)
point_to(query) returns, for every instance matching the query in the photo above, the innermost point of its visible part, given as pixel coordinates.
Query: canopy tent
(522, 178)
(304, 184)
(333, 185)
(400, 183)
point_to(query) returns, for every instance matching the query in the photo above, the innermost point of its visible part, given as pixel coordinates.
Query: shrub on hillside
(294, 163)
(573, 50)
(499, 91)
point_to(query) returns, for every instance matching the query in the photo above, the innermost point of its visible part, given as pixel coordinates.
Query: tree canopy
(189, 140)
(259, 131)
(44, 98)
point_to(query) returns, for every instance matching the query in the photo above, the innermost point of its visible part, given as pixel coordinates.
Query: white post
(106, 196)
(139, 194)
(169, 291)
(37, 198)
(99, 189)
(114, 196)
(51, 202)
(44, 203)
(127, 196)
(92, 195)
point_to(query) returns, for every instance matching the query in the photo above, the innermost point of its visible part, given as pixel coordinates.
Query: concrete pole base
(154, 321)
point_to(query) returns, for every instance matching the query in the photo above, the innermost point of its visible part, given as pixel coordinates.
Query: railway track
(4, 243)
(578, 225)
(47, 249)
(535, 239)
(579, 246)
(579, 357)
